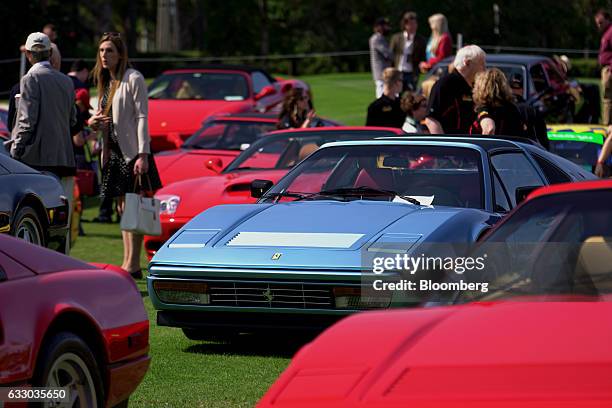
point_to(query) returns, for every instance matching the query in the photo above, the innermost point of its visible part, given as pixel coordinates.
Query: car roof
(216, 67)
(571, 187)
(487, 143)
(337, 129)
(253, 116)
(522, 59)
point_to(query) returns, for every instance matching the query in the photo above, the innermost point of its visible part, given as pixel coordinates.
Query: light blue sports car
(297, 258)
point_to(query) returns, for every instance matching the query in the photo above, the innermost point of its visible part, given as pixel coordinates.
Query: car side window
(553, 75)
(538, 77)
(552, 172)
(515, 171)
(260, 81)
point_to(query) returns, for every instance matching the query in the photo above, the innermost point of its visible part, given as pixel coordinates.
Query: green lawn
(342, 97)
(186, 373)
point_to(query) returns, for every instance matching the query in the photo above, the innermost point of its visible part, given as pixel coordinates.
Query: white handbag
(141, 215)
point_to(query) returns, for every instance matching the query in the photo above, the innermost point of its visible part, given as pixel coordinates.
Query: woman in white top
(122, 118)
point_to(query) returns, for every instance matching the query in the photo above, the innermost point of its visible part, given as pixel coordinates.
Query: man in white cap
(46, 111)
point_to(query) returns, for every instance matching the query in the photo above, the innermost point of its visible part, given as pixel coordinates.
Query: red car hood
(480, 355)
(199, 194)
(182, 164)
(186, 116)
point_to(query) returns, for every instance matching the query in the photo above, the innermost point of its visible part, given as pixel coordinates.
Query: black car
(32, 204)
(545, 86)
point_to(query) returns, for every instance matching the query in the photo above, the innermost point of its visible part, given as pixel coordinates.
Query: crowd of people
(470, 99)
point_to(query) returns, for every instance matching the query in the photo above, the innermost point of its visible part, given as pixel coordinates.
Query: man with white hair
(451, 108)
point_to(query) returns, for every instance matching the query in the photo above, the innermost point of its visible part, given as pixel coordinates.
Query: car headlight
(168, 203)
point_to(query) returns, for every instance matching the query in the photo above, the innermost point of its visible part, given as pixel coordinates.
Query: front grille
(271, 295)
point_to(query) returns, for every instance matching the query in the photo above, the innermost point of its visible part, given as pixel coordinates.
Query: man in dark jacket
(408, 50)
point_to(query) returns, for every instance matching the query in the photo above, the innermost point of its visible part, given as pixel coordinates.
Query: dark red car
(538, 337)
(68, 324)
(270, 158)
(180, 100)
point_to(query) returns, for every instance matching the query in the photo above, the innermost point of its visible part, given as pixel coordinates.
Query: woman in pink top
(440, 43)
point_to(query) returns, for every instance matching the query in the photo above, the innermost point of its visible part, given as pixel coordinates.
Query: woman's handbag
(141, 214)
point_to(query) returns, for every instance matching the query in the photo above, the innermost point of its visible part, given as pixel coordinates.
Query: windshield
(580, 148)
(227, 135)
(559, 244)
(286, 150)
(200, 86)
(418, 174)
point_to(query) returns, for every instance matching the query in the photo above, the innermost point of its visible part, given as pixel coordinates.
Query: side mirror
(521, 193)
(259, 187)
(215, 164)
(266, 91)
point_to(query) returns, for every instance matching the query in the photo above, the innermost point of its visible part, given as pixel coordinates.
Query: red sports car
(550, 347)
(68, 324)
(180, 100)
(215, 145)
(269, 158)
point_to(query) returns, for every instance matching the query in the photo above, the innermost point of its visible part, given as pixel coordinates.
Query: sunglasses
(111, 34)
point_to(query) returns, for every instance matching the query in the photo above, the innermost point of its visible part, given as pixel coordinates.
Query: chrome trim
(274, 272)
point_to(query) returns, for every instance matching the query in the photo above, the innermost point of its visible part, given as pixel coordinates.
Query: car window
(538, 78)
(554, 76)
(583, 154)
(259, 81)
(553, 174)
(228, 135)
(558, 244)
(266, 156)
(515, 171)
(200, 86)
(438, 175)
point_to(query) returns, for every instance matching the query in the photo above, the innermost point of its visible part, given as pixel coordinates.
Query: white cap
(38, 42)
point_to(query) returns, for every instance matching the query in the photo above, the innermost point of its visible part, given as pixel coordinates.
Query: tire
(65, 360)
(28, 227)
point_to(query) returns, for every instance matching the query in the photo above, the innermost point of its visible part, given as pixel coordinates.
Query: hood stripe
(295, 239)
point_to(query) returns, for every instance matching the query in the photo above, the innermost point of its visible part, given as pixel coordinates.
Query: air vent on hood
(295, 239)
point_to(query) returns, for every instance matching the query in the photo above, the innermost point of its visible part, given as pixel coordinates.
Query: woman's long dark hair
(101, 76)
(290, 108)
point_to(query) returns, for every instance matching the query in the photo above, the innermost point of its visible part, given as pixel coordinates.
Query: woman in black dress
(496, 112)
(122, 118)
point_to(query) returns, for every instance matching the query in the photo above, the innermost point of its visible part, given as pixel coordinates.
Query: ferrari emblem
(276, 256)
(268, 295)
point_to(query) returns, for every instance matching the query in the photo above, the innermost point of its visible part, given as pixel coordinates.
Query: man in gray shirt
(380, 53)
(45, 113)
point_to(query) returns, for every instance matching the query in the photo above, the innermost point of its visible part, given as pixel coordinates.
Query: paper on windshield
(424, 200)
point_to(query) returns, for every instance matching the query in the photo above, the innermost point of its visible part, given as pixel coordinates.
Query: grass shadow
(284, 346)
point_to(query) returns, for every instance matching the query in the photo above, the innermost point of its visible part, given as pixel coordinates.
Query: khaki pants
(606, 86)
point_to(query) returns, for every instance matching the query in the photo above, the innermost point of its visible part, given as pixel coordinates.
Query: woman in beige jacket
(122, 117)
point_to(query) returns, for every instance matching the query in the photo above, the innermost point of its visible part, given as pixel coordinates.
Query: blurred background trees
(206, 28)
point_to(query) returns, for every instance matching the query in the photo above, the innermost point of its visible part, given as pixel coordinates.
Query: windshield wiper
(362, 191)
